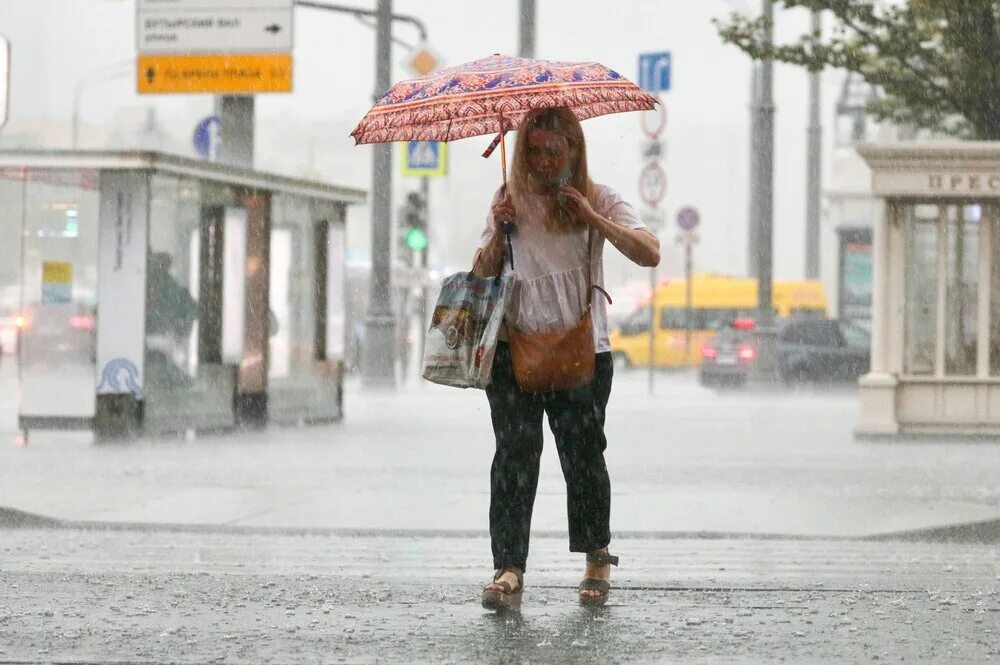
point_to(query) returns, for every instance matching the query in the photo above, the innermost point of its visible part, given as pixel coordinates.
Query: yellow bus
(716, 300)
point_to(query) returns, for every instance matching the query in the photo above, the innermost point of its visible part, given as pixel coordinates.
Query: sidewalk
(685, 460)
(83, 596)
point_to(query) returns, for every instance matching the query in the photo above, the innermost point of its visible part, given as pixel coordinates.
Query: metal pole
(422, 301)
(364, 13)
(688, 291)
(652, 327)
(754, 211)
(379, 361)
(236, 117)
(526, 33)
(813, 168)
(765, 368)
(765, 178)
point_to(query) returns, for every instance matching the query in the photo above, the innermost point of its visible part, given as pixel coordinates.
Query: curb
(980, 532)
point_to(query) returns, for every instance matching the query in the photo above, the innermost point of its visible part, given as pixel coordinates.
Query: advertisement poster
(856, 281)
(121, 284)
(57, 282)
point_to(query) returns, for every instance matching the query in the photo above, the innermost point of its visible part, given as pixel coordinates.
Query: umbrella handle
(503, 150)
(503, 166)
(507, 228)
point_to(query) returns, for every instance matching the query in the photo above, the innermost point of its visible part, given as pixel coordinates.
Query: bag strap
(590, 270)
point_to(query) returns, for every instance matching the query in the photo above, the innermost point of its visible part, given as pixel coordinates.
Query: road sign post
(654, 76)
(688, 219)
(425, 159)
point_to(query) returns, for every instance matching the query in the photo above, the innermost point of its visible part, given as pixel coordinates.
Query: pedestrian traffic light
(416, 239)
(413, 221)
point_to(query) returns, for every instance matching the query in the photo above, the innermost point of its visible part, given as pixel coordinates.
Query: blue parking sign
(424, 158)
(654, 71)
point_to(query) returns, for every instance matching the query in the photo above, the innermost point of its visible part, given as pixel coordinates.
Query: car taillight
(709, 351)
(81, 322)
(746, 353)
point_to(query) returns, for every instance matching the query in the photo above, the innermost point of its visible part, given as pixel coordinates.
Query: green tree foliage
(936, 62)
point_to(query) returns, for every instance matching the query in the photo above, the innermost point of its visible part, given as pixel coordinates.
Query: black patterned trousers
(576, 418)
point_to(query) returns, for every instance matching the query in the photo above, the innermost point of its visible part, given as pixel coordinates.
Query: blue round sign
(688, 218)
(207, 137)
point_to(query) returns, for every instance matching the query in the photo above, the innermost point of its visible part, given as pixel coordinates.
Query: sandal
(508, 599)
(603, 587)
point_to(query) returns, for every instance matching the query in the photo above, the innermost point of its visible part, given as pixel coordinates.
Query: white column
(942, 291)
(877, 391)
(880, 281)
(895, 302)
(986, 222)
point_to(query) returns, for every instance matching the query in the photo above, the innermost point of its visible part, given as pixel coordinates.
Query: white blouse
(550, 269)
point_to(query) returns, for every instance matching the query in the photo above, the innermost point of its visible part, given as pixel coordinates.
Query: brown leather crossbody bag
(560, 360)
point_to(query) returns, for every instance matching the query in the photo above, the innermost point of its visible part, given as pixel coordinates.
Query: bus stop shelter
(158, 294)
(935, 360)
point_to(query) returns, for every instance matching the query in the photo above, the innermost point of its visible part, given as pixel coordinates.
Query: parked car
(808, 350)
(822, 351)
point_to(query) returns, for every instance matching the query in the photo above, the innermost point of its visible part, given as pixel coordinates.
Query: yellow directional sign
(220, 74)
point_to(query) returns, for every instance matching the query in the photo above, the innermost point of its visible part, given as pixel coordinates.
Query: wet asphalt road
(71, 595)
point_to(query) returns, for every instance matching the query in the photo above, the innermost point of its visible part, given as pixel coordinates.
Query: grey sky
(55, 42)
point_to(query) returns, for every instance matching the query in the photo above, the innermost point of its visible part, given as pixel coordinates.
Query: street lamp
(99, 75)
(379, 360)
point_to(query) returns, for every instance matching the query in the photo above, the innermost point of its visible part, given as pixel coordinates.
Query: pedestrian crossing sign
(425, 158)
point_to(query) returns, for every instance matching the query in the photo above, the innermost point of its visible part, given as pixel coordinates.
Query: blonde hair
(563, 122)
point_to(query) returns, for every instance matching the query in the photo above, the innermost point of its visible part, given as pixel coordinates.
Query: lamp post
(378, 365)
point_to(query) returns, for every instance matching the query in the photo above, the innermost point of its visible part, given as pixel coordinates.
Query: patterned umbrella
(493, 94)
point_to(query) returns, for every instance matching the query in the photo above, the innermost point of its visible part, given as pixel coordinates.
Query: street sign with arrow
(216, 46)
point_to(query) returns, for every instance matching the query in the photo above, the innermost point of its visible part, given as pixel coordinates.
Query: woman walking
(560, 220)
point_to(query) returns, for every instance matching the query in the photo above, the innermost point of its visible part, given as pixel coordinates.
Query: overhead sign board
(234, 74)
(425, 158)
(184, 5)
(212, 31)
(654, 71)
(214, 46)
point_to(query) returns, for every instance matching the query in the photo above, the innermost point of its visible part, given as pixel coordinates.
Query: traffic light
(413, 222)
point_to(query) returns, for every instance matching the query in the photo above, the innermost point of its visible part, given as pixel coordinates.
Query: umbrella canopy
(475, 98)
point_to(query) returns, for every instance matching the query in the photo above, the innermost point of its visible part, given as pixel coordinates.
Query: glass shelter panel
(962, 289)
(992, 216)
(921, 289)
(292, 289)
(171, 285)
(188, 386)
(58, 307)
